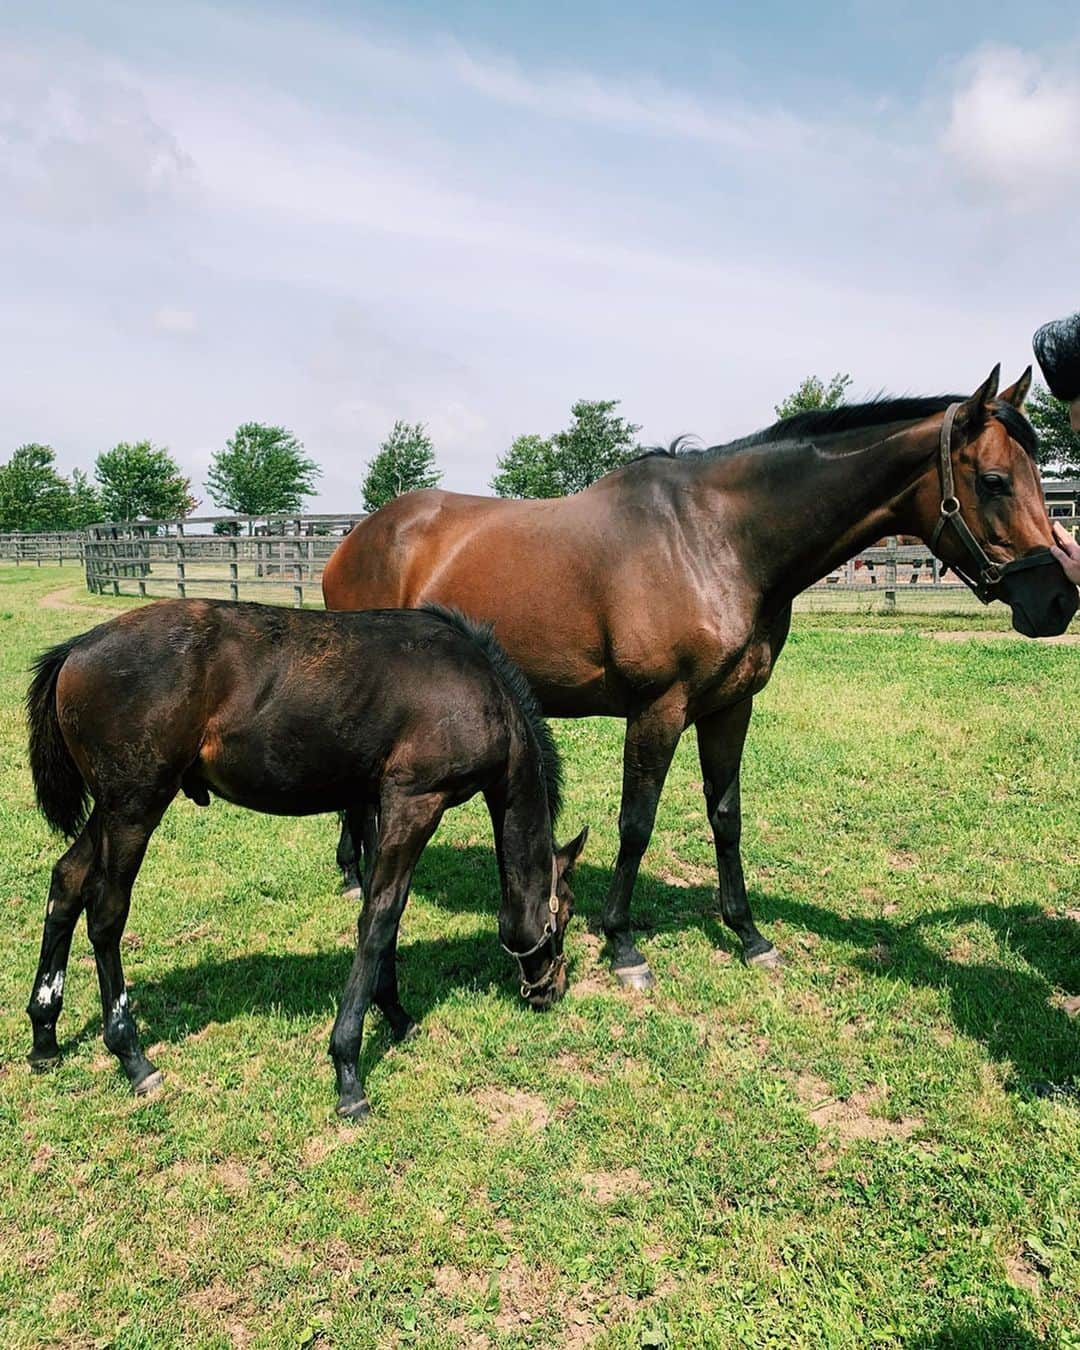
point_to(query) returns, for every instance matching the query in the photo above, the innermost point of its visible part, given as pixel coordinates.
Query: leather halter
(988, 575)
(558, 959)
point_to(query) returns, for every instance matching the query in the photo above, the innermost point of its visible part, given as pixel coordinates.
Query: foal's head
(543, 970)
(990, 521)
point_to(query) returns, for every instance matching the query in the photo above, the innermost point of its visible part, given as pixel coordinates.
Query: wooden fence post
(890, 574)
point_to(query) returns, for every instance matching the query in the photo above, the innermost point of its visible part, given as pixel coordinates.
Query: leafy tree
(405, 462)
(527, 469)
(84, 502)
(814, 395)
(596, 441)
(262, 471)
(33, 495)
(1059, 445)
(142, 481)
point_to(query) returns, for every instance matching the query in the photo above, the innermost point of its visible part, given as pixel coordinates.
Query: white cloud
(77, 146)
(1014, 127)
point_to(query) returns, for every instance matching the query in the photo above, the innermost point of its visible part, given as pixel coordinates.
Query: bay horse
(662, 593)
(292, 713)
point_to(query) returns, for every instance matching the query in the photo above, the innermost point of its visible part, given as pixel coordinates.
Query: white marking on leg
(119, 1008)
(50, 990)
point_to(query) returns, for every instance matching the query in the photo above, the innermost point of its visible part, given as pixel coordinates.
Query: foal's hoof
(148, 1086)
(353, 1108)
(769, 959)
(408, 1032)
(352, 893)
(42, 1062)
(634, 977)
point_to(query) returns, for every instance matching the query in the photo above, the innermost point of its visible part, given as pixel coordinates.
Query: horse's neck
(523, 843)
(815, 508)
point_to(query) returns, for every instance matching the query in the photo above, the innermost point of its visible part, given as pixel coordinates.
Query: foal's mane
(521, 695)
(880, 411)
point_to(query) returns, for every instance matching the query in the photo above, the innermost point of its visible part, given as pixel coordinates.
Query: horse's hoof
(146, 1087)
(770, 959)
(634, 977)
(408, 1033)
(42, 1063)
(352, 893)
(355, 1108)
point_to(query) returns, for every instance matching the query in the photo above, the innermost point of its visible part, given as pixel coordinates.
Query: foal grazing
(390, 715)
(669, 582)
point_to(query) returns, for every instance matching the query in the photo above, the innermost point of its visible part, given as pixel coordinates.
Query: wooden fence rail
(53, 546)
(267, 558)
(281, 559)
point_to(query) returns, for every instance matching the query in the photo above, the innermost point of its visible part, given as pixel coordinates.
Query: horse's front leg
(651, 738)
(721, 737)
(410, 823)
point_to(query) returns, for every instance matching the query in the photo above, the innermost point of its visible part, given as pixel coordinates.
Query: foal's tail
(61, 791)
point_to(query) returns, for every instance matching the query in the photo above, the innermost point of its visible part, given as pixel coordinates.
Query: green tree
(142, 481)
(262, 471)
(405, 462)
(1059, 445)
(84, 502)
(814, 395)
(33, 495)
(596, 441)
(527, 469)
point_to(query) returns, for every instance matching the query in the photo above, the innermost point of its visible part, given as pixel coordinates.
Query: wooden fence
(56, 546)
(894, 577)
(259, 558)
(281, 559)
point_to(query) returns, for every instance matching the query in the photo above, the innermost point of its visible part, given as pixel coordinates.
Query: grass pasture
(878, 1148)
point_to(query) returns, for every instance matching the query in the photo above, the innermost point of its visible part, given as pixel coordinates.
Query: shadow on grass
(1007, 1010)
(997, 1333)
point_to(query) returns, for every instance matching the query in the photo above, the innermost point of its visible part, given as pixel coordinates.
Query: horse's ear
(567, 856)
(971, 415)
(1018, 392)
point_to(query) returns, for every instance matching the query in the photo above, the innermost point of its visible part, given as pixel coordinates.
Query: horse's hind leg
(406, 825)
(720, 746)
(356, 849)
(61, 915)
(348, 862)
(107, 895)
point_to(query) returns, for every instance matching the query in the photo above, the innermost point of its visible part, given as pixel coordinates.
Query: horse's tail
(59, 786)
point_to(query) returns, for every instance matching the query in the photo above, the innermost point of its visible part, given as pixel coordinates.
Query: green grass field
(854, 1154)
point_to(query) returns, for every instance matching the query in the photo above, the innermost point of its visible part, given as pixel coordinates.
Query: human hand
(1067, 551)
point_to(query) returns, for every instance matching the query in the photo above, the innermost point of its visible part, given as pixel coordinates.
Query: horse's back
(283, 710)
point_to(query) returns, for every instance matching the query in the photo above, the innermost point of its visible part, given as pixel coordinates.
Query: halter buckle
(950, 506)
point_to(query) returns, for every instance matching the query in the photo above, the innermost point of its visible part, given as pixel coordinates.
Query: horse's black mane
(806, 426)
(521, 694)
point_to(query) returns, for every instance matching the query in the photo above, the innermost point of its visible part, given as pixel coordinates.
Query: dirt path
(61, 600)
(995, 634)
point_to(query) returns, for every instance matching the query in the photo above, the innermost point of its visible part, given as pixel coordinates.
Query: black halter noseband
(988, 575)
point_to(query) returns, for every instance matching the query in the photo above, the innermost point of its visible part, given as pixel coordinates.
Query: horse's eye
(994, 484)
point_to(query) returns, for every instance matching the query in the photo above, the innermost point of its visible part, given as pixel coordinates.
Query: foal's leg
(61, 915)
(651, 738)
(361, 822)
(107, 896)
(356, 849)
(407, 823)
(720, 745)
(348, 862)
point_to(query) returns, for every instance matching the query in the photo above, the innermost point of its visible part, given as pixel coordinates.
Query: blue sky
(334, 215)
